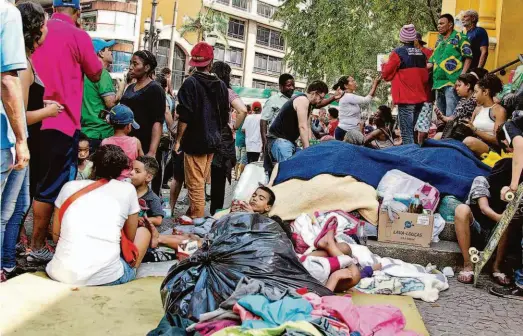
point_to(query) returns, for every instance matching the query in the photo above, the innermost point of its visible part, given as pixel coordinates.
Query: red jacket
(407, 70)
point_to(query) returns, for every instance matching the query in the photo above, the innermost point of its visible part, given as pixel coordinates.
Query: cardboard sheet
(35, 305)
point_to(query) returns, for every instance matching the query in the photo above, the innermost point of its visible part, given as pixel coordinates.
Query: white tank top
(484, 121)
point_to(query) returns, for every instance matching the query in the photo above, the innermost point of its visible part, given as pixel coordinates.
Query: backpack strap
(79, 193)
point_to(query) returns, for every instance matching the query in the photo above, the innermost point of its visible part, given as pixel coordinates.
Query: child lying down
(331, 263)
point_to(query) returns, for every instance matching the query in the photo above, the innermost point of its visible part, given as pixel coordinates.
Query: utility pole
(173, 43)
(153, 21)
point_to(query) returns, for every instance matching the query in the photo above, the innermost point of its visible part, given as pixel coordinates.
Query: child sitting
(122, 119)
(84, 165)
(143, 172)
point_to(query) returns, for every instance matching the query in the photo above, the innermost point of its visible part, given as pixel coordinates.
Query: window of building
(267, 64)
(233, 56)
(121, 60)
(162, 54)
(265, 10)
(241, 4)
(236, 80)
(259, 84)
(178, 67)
(270, 38)
(225, 2)
(236, 29)
(89, 21)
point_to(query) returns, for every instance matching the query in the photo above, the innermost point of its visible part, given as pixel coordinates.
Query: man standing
(13, 130)
(407, 70)
(478, 38)
(293, 122)
(61, 63)
(251, 127)
(99, 96)
(451, 58)
(203, 109)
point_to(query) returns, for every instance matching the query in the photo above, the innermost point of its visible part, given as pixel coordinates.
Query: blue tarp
(448, 165)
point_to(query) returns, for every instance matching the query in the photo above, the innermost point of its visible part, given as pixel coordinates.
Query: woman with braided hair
(146, 98)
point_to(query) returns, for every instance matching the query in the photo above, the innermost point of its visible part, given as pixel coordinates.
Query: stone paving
(462, 310)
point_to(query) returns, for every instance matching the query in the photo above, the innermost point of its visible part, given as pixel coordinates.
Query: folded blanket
(398, 277)
(448, 165)
(324, 193)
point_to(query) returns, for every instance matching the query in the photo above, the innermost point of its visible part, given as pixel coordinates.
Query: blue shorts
(129, 274)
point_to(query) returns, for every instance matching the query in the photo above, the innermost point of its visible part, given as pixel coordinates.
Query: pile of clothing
(256, 309)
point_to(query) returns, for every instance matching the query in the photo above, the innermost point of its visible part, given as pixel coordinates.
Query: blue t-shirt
(12, 58)
(240, 136)
(478, 38)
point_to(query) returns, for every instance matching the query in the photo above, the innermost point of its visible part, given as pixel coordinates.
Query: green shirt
(448, 58)
(272, 106)
(92, 103)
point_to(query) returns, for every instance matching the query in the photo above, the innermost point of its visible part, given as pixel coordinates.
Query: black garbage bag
(239, 245)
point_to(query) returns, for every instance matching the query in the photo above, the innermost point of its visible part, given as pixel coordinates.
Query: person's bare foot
(325, 242)
(376, 267)
(154, 237)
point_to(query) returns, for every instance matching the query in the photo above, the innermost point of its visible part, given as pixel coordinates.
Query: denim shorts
(129, 274)
(241, 155)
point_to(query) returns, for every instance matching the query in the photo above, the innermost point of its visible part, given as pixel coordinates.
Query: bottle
(362, 235)
(165, 193)
(415, 205)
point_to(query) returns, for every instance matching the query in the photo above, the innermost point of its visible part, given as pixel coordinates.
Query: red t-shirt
(332, 126)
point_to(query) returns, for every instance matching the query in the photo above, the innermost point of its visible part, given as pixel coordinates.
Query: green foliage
(331, 38)
(205, 22)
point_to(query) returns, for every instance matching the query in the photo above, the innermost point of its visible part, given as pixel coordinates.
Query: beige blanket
(324, 193)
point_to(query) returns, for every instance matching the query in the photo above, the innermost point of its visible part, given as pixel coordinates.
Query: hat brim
(422, 42)
(199, 64)
(135, 125)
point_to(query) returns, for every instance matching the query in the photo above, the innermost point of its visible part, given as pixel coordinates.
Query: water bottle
(362, 235)
(165, 203)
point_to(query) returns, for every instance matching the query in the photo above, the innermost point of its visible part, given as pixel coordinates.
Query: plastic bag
(239, 245)
(252, 176)
(397, 182)
(447, 208)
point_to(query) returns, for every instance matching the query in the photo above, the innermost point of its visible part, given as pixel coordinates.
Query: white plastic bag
(439, 225)
(252, 176)
(397, 182)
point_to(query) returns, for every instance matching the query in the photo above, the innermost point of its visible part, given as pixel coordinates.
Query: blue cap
(99, 44)
(67, 3)
(122, 115)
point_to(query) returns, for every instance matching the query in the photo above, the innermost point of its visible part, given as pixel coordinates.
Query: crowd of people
(70, 135)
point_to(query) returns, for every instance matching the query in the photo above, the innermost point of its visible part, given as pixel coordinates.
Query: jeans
(6, 161)
(129, 274)
(447, 100)
(518, 278)
(339, 134)
(15, 203)
(282, 150)
(408, 115)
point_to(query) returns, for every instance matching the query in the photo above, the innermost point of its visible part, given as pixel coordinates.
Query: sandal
(501, 279)
(466, 277)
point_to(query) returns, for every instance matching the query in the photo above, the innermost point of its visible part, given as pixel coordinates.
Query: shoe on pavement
(513, 292)
(43, 255)
(157, 255)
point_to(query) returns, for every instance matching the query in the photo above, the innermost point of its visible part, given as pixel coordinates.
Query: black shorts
(174, 168)
(58, 163)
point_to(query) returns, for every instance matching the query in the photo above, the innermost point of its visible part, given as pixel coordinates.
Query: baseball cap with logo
(67, 3)
(100, 44)
(122, 115)
(256, 105)
(201, 55)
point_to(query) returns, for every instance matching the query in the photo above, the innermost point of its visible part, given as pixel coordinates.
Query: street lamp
(152, 30)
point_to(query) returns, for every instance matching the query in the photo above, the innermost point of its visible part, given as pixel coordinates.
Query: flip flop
(501, 279)
(468, 274)
(331, 224)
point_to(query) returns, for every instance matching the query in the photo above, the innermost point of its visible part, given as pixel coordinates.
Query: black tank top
(36, 99)
(285, 125)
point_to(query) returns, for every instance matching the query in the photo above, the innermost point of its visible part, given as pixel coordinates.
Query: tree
(330, 38)
(206, 22)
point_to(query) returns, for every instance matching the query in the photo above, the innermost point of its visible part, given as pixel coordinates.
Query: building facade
(255, 47)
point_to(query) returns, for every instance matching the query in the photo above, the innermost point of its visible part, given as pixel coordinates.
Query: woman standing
(34, 22)
(225, 157)
(350, 127)
(487, 117)
(146, 98)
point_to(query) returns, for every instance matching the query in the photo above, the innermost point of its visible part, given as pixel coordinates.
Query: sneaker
(157, 255)
(514, 292)
(22, 247)
(10, 274)
(3, 277)
(43, 255)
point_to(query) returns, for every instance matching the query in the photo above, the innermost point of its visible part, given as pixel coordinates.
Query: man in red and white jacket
(407, 70)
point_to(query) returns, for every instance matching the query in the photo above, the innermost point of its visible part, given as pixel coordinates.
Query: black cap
(420, 39)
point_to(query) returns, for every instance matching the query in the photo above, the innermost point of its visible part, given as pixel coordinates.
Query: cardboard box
(409, 228)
